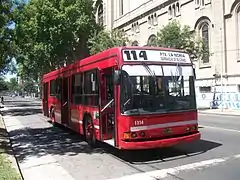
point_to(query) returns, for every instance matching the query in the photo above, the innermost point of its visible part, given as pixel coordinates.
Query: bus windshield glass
(151, 89)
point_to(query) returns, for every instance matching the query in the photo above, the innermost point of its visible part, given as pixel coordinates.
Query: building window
(100, 14)
(135, 27)
(205, 89)
(177, 9)
(155, 20)
(205, 37)
(134, 43)
(237, 32)
(152, 20)
(174, 10)
(201, 3)
(170, 12)
(152, 40)
(121, 7)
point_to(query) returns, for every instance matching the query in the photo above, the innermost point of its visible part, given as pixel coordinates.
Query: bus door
(45, 99)
(107, 110)
(65, 102)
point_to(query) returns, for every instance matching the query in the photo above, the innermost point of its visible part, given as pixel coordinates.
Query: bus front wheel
(89, 131)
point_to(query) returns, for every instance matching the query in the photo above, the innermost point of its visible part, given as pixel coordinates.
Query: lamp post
(221, 71)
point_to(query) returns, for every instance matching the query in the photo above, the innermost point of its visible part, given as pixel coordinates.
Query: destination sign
(156, 56)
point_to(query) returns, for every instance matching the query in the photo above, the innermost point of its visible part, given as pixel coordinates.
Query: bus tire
(89, 131)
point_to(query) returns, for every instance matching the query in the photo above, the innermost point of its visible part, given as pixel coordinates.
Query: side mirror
(117, 77)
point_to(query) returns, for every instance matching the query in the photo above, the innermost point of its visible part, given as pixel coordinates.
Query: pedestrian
(2, 99)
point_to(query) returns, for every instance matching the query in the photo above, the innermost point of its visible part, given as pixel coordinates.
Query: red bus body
(86, 94)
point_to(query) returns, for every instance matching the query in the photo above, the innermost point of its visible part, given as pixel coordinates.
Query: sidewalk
(8, 165)
(230, 112)
(34, 162)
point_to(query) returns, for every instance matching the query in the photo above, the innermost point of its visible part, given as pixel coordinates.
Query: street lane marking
(163, 173)
(212, 114)
(219, 128)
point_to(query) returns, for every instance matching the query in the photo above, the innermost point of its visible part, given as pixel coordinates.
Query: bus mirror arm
(194, 73)
(117, 75)
(107, 105)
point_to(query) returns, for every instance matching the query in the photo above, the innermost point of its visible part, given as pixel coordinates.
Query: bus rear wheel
(89, 131)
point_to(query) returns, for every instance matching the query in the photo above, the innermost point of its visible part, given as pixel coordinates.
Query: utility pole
(221, 71)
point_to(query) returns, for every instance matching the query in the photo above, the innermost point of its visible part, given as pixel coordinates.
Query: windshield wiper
(152, 73)
(175, 80)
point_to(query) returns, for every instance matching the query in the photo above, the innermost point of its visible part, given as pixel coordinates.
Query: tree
(3, 84)
(51, 33)
(173, 35)
(107, 39)
(6, 36)
(13, 84)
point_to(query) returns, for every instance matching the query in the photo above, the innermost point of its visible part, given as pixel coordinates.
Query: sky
(9, 75)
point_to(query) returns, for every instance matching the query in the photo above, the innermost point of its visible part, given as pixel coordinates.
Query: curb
(11, 155)
(219, 114)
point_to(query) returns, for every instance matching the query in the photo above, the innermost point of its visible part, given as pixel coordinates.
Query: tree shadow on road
(22, 112)
(50, 140)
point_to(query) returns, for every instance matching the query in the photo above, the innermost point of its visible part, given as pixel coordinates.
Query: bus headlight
(126, 135)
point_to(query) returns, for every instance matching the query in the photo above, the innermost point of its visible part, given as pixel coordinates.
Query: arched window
(152, 19)
(174, 10)
(155, 18)
(170, 12)
(100, 14)
(205, 37)
(238, 32)
(134, 43)
(121, 7)
(178, 8)
(152, 40)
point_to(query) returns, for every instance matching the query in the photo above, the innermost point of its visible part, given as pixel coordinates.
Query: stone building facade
(216, 21)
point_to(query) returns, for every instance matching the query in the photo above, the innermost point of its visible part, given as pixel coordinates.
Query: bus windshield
(151, 89)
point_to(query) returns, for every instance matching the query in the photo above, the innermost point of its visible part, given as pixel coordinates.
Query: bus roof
(106, 53)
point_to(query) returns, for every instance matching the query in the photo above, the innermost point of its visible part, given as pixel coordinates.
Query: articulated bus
(128, 97)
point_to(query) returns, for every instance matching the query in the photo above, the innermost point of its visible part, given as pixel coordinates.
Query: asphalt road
(215, 156)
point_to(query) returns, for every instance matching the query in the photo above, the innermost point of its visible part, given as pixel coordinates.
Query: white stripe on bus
(164, 125)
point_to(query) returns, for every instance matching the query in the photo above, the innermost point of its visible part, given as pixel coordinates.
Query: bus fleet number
(133, 55)
(138, 122)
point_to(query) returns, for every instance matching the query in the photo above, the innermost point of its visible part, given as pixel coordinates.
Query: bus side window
(91, 96)
(109, 86)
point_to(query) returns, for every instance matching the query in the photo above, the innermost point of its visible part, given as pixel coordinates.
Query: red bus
(128, 97)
